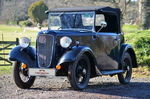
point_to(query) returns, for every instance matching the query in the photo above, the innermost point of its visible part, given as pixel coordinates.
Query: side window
(99, 18)
(55, 22)
(88, 19)
(112, 23)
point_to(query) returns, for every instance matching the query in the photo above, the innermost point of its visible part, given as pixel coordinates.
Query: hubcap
(128, 68)
(84, 71)
(81, 72)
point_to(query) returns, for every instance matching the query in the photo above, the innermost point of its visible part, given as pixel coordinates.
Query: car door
(106, 48)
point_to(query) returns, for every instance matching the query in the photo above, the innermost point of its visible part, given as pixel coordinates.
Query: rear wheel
(79, 73)
(21, 77)
(125, 77)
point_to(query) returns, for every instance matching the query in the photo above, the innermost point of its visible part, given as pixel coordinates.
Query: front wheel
(21, 77)
(125, 77)
(79, 73)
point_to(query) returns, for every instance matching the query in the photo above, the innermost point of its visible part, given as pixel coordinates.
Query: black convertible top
(108, 11)
(97, 9)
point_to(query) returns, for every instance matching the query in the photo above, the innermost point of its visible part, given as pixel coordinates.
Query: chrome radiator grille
(45, 45)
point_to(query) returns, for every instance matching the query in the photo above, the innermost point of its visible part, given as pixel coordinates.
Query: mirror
(103, 24)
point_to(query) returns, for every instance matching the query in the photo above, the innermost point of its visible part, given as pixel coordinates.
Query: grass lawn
(10, 33)
(132, 33)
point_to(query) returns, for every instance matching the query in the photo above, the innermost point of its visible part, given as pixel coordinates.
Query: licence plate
(41, 72)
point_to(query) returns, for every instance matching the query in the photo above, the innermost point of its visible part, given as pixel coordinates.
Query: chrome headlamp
(65, 41)
(24, 42)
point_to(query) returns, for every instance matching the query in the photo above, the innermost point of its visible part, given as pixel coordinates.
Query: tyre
(79, 73)
(125, 77)
(20, 76)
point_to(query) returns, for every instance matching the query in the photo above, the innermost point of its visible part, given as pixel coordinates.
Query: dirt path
(59, 88)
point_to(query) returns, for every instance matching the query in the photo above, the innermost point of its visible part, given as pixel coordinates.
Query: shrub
(142, 49)
(36, 11)
(146, 60)
(25, 23)
(143, 43)
(12, 22)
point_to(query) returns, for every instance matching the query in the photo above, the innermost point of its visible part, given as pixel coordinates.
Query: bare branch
(118, 1)
(114, 1)
(127, 2)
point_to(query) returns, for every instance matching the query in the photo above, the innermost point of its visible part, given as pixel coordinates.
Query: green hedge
(25, 23)
(142, 48)
(140, 41)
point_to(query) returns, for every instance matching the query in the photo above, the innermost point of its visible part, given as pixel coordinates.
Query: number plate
(41, 72)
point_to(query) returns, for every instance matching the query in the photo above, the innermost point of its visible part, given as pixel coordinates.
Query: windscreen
(71, 21)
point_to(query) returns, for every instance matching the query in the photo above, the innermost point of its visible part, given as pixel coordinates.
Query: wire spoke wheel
(125, 77)
(21, 77)
(127, 70)
(23, 73)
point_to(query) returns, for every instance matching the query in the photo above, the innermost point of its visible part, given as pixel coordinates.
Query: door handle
(94, 37)
(116, 41)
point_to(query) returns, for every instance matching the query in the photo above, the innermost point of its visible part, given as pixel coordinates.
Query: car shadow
(132, 90)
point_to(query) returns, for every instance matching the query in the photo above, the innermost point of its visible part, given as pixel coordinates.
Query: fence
(5, 47)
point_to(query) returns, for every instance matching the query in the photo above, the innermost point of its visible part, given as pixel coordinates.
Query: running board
(110, 72)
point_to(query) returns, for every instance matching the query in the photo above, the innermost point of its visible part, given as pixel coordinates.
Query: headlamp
(24, 42)
(65, 41)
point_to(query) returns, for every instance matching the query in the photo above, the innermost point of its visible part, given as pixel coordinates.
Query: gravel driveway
(59, 88)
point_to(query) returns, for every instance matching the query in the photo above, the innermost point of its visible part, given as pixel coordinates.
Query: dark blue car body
(105, 49)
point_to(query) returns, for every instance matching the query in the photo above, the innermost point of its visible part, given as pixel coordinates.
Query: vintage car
(80, 43)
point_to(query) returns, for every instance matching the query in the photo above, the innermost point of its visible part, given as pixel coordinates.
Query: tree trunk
(1, 6)
(144, 13)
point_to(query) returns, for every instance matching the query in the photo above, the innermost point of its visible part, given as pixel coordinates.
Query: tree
(144, 13)
(122, 4)
(36, 11)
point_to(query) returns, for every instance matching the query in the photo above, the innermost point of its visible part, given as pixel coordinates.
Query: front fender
(128, 48)
(26, 56)
(73, 54)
